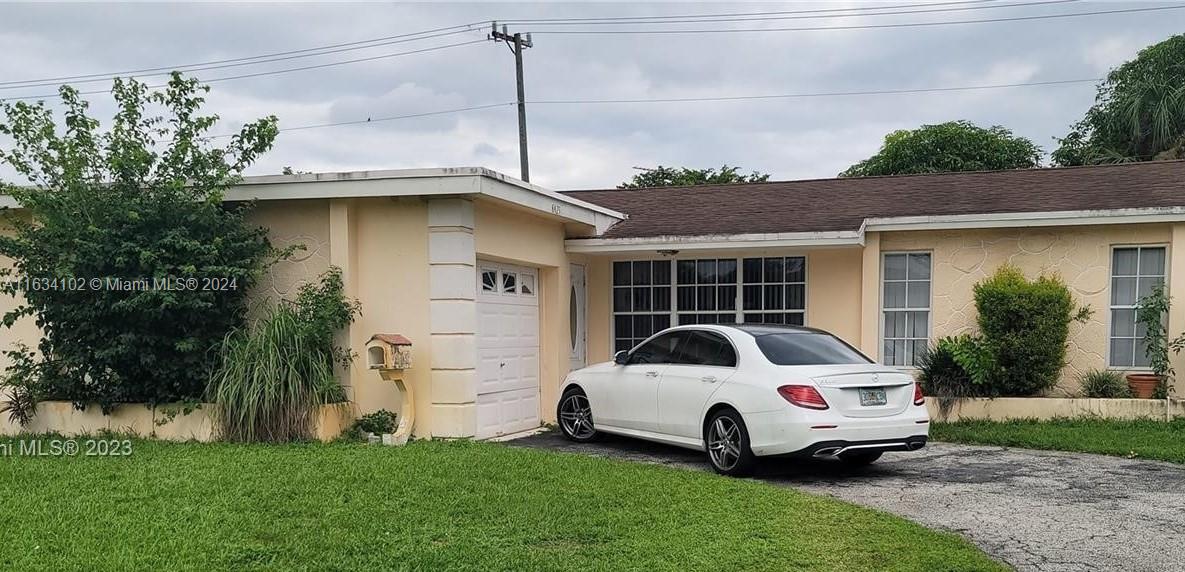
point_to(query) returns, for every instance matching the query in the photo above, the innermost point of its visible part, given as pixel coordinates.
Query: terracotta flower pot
(1143, 384)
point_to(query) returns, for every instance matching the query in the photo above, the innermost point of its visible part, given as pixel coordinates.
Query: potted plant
(377, 427)
(1150, 313)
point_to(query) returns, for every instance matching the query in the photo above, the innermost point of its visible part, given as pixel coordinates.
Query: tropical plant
(947, 147)
(276, 373)
(1104, 383)
(944, 370)
(21, 386)
(661, 176)
(122, 232)
(1024, 325)
(1151, 311)
(1138, 114)
(378, 422)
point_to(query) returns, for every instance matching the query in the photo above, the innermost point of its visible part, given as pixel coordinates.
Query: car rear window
(807, 348)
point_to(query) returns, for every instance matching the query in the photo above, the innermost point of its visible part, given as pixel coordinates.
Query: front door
(577, 309)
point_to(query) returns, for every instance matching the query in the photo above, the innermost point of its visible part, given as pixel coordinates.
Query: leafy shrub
(1151, 313)
(1104, 383)
(126, 206)
(21, 386)
(1024, 325)
(379, 422)
(276, 373)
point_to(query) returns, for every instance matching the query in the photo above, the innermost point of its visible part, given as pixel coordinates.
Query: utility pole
(517, 42)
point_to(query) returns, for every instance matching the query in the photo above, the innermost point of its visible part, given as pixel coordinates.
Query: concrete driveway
(1035, 510)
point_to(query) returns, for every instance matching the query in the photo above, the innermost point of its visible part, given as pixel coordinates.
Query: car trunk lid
(864, 391)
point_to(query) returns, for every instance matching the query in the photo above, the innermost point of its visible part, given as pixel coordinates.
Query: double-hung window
(1135, 271)
(650, 295)
(905, 301)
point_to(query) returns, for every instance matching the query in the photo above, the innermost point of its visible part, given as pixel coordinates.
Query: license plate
(872, 396)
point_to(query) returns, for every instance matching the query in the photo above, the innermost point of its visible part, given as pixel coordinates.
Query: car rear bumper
(795, 433)
(824, 449)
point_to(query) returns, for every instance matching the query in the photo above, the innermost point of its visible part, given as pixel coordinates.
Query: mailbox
(388, 352)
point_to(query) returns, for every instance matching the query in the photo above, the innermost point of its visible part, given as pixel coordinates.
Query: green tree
(141, 200)
(661, 176)
(947, 147)
(1139, 112)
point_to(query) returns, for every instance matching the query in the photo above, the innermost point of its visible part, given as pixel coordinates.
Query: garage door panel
(508, 354)
(507, 412)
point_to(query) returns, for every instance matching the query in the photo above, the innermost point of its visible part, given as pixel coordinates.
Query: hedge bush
(1024, 325)
(125, 254)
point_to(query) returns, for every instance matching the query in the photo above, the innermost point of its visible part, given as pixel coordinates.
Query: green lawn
(1145, 439)
(432, 505)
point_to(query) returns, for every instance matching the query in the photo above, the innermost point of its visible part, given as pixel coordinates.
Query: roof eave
(842, 238)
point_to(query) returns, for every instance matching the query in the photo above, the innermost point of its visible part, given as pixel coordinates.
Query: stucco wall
(1081, 255)
(25, 330)
(504, 234)
(387, 258)
(289, 224)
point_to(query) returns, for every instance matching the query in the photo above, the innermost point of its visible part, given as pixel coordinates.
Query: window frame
(880, 293)
(710, 333)
(1110, 283)
(674, 288)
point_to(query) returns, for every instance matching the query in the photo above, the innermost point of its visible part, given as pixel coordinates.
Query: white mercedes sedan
(748, 391)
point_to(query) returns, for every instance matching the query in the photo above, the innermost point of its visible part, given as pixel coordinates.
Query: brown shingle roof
(843, 204)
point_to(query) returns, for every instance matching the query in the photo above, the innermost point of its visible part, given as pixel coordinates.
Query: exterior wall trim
(459, 181)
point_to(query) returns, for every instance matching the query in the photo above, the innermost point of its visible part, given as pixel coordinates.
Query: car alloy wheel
(727, 442)
(576, 417)
(724, 443)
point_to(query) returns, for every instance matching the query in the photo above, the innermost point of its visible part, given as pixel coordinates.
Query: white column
(452, 263)
(870, 284)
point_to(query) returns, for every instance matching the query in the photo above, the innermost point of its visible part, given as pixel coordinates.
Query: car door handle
(652, 374)
(708, 379)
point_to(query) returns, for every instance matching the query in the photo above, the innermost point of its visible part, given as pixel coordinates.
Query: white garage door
(507, 349)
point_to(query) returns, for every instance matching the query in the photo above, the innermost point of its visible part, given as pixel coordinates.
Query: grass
(1148, 439)
(432, 505)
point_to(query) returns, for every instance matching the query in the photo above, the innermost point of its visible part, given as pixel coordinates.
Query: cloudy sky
(589, 145)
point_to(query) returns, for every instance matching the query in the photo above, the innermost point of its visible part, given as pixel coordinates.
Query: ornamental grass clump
(277, 373)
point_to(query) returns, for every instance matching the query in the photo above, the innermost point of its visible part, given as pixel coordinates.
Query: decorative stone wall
(1081, 255)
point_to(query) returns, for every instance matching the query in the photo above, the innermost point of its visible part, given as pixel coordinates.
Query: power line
(758, 17)
(240, 64)
(181, 67)
(272, 72)
(369, 120)
(816, 94)
(867, 26)
(727, 14)
(689, 99)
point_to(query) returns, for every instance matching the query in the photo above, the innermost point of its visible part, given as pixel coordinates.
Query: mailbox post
(390, 354)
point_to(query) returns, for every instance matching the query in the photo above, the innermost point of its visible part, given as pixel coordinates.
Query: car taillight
(803, 396)
(918, 398)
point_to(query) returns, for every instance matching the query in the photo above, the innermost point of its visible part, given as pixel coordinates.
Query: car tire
(574, 414)
(726, 440)
(860, 459)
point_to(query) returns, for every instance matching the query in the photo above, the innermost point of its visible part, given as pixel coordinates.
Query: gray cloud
(580, 146)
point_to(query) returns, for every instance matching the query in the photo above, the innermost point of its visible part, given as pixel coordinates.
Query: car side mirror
(621, 357)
